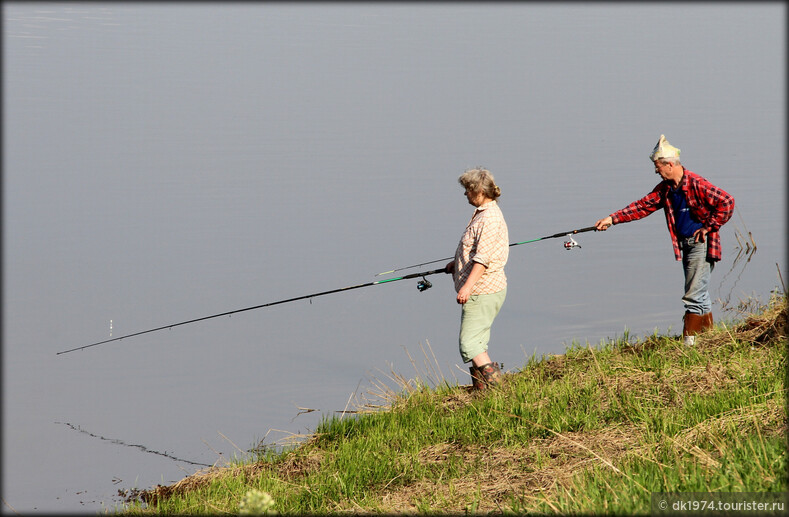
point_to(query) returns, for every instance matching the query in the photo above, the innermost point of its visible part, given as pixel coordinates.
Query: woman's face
(475, 198)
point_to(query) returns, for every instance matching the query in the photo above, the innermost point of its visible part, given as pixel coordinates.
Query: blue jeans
(697, 276)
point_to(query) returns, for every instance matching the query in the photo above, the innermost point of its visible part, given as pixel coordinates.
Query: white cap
(663, 149)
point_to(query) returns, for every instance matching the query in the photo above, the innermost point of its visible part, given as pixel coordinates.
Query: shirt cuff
(481, 260)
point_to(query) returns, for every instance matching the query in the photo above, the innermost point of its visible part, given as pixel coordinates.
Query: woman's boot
(491, 373)
(477, 380)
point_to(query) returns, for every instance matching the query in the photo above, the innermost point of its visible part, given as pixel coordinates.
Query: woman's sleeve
(491, 243)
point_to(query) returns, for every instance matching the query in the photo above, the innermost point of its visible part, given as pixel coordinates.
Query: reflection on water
(745, 248)
(143, 448)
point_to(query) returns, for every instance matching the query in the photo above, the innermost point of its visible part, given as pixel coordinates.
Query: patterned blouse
(485, 241)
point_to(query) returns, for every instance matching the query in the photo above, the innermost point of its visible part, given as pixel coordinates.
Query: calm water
(168, 162)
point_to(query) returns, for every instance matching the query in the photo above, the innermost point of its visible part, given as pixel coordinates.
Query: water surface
(164, 162)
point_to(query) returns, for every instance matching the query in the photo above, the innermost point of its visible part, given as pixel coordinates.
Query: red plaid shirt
(708, 204)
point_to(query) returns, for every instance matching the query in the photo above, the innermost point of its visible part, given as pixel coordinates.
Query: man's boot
(693, 325)
(706, 322)
(477, 380)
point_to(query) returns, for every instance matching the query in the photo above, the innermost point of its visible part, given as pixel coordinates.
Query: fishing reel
(424, 284)
(570, 243)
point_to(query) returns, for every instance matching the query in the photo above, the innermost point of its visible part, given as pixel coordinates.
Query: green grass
(595, 430)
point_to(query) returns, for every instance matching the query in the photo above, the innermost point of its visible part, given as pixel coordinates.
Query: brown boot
(706, 322)
(693, 325)
(491, 373)
(477, 380)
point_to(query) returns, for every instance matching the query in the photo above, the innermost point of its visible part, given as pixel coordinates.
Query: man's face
(663, 169)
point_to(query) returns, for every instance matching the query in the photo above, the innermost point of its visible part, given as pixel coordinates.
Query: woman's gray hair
(480, 180)
(674, 161)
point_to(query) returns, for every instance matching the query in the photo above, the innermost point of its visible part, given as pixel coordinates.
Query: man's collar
(682, 179)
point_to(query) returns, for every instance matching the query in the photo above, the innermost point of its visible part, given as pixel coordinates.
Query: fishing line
(567, 245)
(422, 285)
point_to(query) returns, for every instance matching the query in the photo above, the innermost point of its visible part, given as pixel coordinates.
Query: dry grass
(535, 469)
(200, 480)
(540, 467)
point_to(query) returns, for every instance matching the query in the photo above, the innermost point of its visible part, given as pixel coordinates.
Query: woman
(478, 272)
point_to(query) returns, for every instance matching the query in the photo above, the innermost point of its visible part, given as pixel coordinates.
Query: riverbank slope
(595, 430)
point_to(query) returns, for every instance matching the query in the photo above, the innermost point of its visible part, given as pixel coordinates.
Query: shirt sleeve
(490, 242)
(639, 209)
(720, 205)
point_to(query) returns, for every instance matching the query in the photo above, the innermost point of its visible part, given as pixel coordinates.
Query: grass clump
(595, 430)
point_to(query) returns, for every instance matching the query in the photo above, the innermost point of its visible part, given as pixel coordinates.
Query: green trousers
(475, 321)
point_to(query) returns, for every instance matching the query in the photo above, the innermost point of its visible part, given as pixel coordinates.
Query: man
(695, 211)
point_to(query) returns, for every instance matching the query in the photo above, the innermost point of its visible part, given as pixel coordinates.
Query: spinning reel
(570, 243)
(424, 284)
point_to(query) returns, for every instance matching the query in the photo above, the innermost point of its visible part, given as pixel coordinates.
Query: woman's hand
(464, 294)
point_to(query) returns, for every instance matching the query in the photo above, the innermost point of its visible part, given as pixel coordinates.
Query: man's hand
(700, 235)
(603, 223)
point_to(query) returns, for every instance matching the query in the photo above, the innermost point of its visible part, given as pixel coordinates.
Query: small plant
(256, 502)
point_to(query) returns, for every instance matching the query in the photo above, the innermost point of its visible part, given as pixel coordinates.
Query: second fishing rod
(567, 245)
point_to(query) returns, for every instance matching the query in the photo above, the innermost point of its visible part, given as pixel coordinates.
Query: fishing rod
(422, 285)
(568, 245)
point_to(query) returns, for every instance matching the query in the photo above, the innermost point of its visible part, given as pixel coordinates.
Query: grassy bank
(595, 430)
